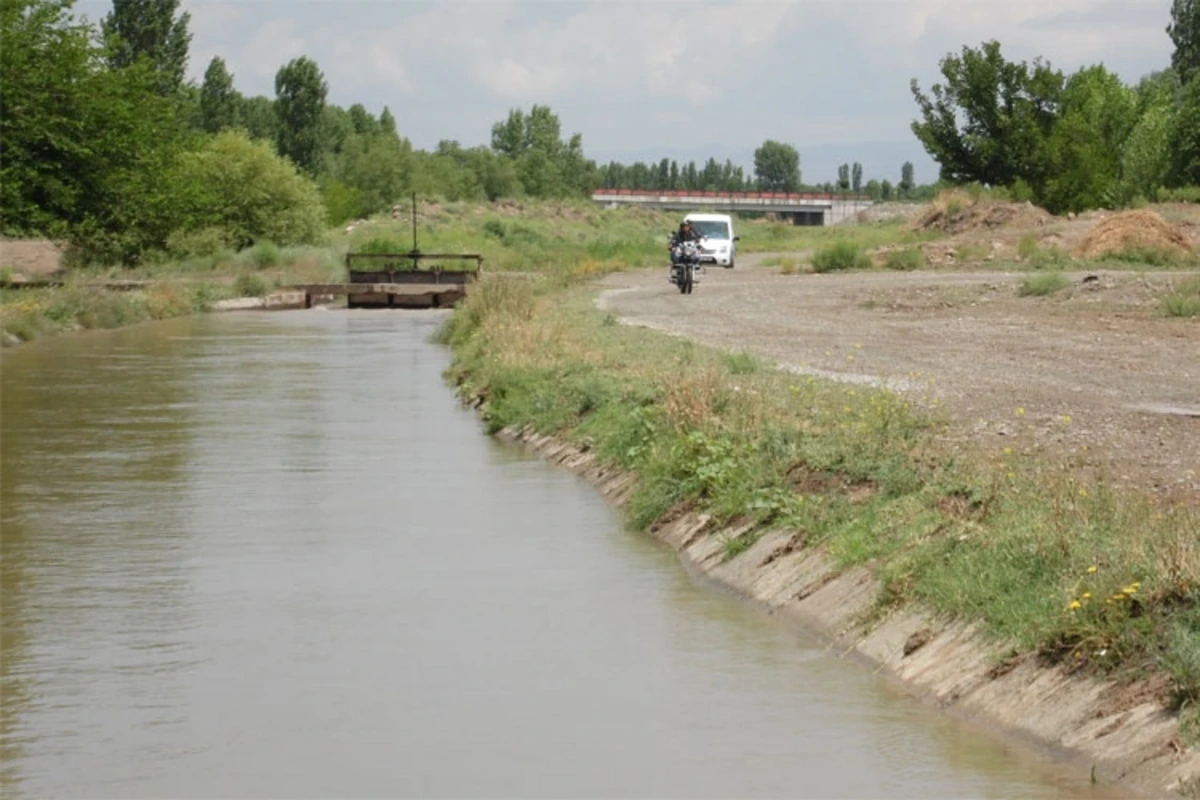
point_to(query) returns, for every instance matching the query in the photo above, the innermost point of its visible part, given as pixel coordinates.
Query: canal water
(268, 555)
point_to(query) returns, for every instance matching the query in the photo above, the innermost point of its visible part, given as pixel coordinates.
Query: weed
(250, 285)
(742, 363)
(1184, 300)
(908, 259)
(1042, 284)
(840, 255)
(265, 254)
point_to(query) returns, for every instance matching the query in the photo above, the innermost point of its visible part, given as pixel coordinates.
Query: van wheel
(730, 264)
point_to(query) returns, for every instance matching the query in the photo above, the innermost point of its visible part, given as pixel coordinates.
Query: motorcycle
(686, 268)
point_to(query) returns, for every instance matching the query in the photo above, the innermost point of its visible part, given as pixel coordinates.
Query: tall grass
(840, 255)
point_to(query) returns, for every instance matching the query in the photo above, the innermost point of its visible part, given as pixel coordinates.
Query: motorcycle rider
(686, 233)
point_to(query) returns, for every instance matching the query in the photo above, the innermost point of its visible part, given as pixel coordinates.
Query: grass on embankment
(1078, 572)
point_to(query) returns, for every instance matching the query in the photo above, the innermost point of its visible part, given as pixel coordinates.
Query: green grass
(1044, 561)
(908, 259)
(1042, 284)
(1183, 300)
(841, 255)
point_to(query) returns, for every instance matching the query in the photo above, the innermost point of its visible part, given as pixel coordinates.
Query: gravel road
(1090, 373)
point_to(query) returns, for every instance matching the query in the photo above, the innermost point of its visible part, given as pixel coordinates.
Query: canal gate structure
(401, 280)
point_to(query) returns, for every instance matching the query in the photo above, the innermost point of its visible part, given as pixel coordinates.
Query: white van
(719, 245)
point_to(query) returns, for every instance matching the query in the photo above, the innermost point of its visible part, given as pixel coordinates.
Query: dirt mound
(30, 257)
(1132, 230)
(888, 211)
(952, 215)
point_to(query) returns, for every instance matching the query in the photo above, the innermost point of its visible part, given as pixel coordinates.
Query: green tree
(843, 181)
(83, 149)
(856, 177)
(886, 190)
(907, 184)
(990, 120)
(150, 29)
(241, 189)
(777, 167)
(1184, 31)
(259, 117)
(362, 121)
(1185, 137)
(1146, 156)
(300, 92)
(218, 99)
(1083, 155)
(387, 123)
(508, 137)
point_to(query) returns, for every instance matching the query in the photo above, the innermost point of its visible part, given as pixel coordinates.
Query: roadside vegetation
(1075, 572)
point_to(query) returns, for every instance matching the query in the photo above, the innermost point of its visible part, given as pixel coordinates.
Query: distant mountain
(818, 162)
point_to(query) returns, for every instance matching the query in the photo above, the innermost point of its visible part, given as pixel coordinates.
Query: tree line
(104, 142)
(1068, 142)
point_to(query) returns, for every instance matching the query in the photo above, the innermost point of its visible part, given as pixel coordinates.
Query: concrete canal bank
(1118, 732)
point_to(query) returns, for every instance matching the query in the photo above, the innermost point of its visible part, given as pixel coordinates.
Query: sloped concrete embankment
(1121, 730)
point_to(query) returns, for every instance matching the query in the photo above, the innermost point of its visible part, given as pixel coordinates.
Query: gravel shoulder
(1090, 374)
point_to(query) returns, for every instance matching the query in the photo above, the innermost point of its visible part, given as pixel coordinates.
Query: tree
(990, 121)
(259, 117)
(1185, 137)
(508, 137)
(843, 182)
(1083, 154)
(362, 121)
(1184, 31)
(886, 190)
(83, 149)
(907, 184)
(284, 206)
(218, 99)
(856, 180)
(149, 29)
(387, 123)
(300, 91)
(777, 167)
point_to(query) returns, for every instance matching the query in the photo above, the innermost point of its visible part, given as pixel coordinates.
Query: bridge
(802, 208)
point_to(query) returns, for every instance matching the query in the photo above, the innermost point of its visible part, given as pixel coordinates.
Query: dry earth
(1090, 374)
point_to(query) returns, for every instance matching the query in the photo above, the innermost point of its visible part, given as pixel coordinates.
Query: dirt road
(1089, 373)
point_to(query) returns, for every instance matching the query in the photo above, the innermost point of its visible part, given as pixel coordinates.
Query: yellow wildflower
(1074, 605)
(1020, 411)
(1008, 451)
(1091, 569)
(1083, 492)
(1087, 595)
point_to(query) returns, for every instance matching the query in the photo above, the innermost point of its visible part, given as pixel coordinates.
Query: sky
(686, 79)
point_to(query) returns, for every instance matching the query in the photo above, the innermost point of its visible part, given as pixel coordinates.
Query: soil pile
(30, 257)
(953, 216)
(1132, 230)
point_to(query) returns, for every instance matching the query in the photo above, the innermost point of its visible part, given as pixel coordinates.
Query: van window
(712, 230)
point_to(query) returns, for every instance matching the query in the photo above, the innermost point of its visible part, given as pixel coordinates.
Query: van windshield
(711, 230)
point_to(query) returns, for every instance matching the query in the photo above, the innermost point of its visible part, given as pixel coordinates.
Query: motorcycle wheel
(689, 279)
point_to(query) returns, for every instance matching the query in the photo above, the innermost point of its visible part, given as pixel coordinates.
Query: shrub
(1043, 284)
(242, 188)
(265, 254)
(906, 260)
(1184, 194)
(840, 255)
(250, 285)
(382, 244)
(200, 242)
(1184, 301)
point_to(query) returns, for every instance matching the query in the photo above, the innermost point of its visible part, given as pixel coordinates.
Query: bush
(1043, 284)
(840, 255)
(250, 285)
(265, 254)
(1184, 194)
(243, 189)
(195, 243)
(906, 260)
(1184, 301)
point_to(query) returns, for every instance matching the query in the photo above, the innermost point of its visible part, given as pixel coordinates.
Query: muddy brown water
(268, 555)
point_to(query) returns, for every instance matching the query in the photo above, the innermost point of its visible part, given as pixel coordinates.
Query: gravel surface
(1090, 373)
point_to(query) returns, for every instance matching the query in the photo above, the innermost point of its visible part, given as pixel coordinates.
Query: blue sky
(682, 78)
